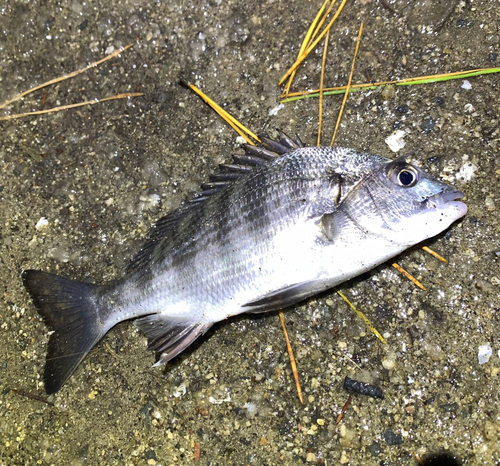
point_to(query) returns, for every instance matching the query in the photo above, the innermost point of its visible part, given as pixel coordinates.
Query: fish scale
(280, 224)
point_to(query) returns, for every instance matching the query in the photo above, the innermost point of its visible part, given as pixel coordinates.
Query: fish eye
(407, 177)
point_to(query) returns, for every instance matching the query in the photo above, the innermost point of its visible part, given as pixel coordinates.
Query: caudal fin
(69, 310)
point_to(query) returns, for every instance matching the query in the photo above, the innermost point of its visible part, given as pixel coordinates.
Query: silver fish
(281, 223)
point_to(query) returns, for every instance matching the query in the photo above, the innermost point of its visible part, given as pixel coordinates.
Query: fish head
(404, 203)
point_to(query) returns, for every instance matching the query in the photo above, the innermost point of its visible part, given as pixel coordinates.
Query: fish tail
(69, 309)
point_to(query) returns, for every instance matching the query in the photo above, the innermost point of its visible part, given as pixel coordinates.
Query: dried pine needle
(344, 409)
(313, 45)
(417, 457)
(435, 254)
(320, 24)
(66, 107)
(321, 88)
(235, 124)
(293, 96)
(66, 76)
(197, 452)
(292, 358)
(348, 84)
(367, 321)
(305, 43)
(408, 276)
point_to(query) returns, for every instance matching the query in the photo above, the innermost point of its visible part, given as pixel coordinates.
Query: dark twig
(344, 409)
(451, 8)
(388, 7)
(33, 397)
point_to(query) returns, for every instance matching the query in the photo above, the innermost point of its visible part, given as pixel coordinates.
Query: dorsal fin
(254, 156)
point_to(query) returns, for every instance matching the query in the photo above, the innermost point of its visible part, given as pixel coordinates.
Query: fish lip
(448, 199)
(449, 196)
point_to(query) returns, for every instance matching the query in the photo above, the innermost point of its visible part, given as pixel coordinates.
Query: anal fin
(170, 337)
(284, 297)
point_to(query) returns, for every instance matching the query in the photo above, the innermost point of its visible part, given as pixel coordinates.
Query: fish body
(269, 231)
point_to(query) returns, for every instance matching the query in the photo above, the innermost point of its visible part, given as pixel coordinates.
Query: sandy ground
(102, 175)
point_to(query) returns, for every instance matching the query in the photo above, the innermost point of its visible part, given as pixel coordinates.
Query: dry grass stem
(435, 254)
(292, 358)
(66, 76)
(305, 43)
(66, 107)
(348, 85)
(321, 88)
(408, 276)
(367, 321)
(420, 79)
(235, 124)
(313, 45)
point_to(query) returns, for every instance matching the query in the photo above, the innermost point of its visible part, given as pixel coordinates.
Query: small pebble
(489, 203)
(42, 223)
(427, 125)
(395, 141)
(389, 362)
(466, 85)
(375, 449)
(388, 92)
(484, 354)
(439, 101)
(391, 438)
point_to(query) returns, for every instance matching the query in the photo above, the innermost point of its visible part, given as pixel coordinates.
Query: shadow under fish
(281, 223)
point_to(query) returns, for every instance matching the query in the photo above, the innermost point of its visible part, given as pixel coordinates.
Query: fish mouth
(449, 200)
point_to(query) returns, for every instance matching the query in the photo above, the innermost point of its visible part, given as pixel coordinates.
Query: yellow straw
(311, 47)
(65, 107)
(66, 76)
(348, 85)
(367, 321)
(236, 125)
(321, 88)
(292, 358)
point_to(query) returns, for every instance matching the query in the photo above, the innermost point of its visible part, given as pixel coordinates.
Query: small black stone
(427, 125)
(464, 23)
(493, 56)
(396, 125)
(391, 438)
(439, 101)
(83, 25)
(363, 388)
(403, 109)
(375, 449)
(450, 407)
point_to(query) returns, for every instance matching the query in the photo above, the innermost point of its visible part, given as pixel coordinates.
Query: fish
(279, 224)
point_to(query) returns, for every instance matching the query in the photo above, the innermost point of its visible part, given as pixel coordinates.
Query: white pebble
(395, 140)
(466, 85)
(42, 223)
(274, 111)
(484, 354)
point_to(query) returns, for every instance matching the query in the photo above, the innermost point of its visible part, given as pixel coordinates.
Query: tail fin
(69, 310)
